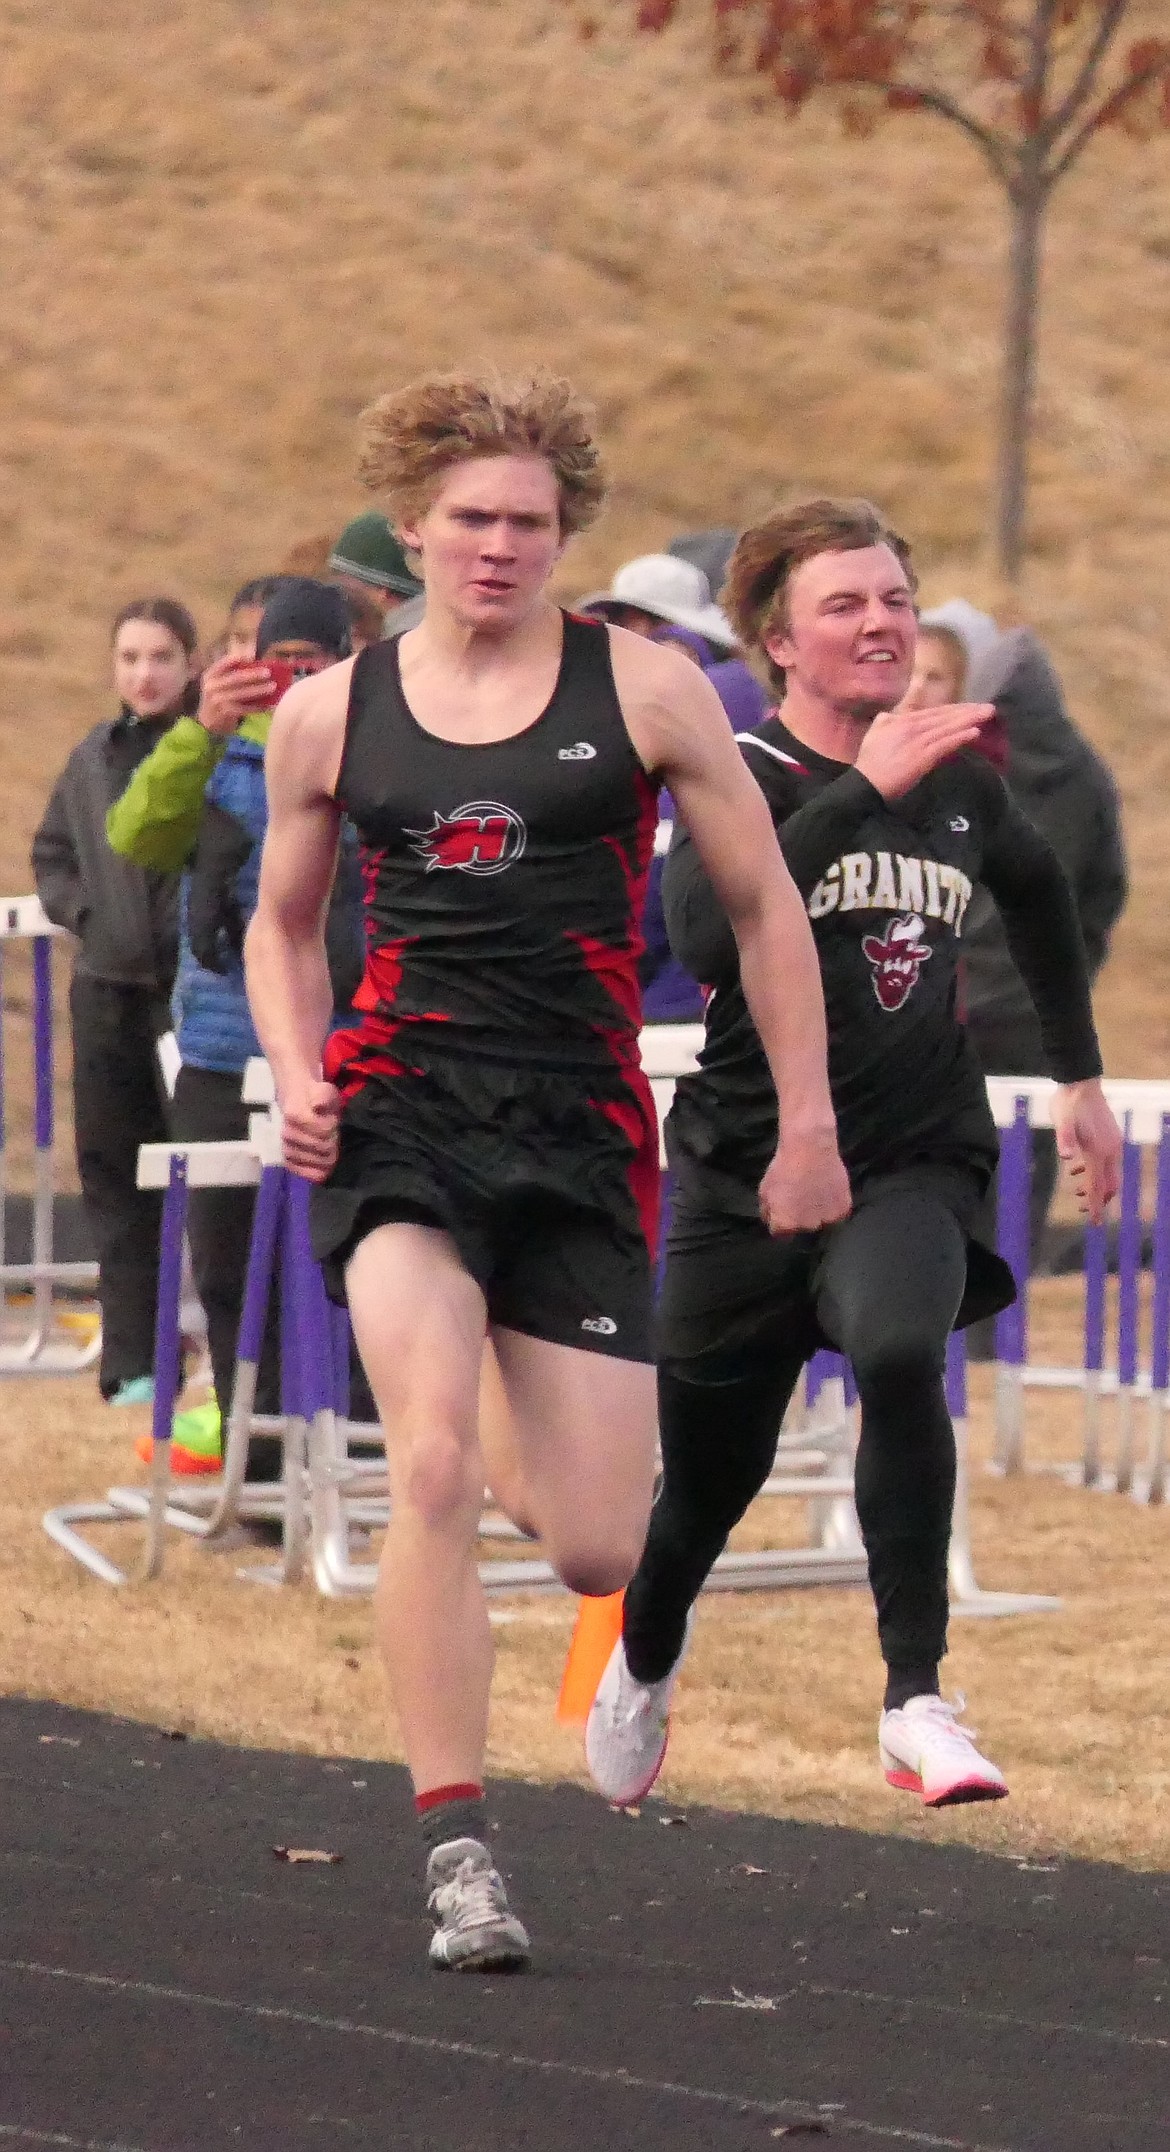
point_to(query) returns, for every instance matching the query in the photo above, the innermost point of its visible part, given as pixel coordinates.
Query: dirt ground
(777, 1711)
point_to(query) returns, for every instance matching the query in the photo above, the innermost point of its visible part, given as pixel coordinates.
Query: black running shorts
(548, 1194)
(730, 1289)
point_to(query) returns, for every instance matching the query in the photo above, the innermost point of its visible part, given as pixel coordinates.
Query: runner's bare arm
(284, 949)
(680, 731)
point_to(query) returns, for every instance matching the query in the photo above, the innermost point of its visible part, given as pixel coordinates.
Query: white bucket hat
(669, 589)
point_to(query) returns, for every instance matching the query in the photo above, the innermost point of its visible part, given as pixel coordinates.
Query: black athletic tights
(886, 1289)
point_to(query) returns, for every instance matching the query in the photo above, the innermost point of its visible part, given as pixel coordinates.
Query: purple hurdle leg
(339, 1337)
(308, 1366)
(1129, 1270)
(266, 1221)
(1096, 1288)
(816, 1375)
(1011, 1327)
(956, 1375)
(3, 1130)
(270, 1198)
(42, 1220)
(296, 1376)
(823, 1369)
(167, 1358)
(315, 1373)
(1160, 1321)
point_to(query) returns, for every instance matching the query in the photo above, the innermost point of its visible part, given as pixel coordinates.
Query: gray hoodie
(125, 917)
(1065, 788)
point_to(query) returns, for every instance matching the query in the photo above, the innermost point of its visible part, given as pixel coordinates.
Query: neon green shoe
(196, 1442)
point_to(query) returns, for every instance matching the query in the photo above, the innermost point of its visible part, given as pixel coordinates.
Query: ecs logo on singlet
(897, 958)
(482, 837)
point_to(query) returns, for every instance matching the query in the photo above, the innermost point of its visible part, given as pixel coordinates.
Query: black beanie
(303, 610)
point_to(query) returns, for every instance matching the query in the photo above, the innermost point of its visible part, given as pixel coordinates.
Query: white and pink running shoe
(628, 1728)
(924, 1750)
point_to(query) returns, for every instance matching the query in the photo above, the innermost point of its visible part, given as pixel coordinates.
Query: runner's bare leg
(419, 1320)
(577, 1430)
(579, 1455)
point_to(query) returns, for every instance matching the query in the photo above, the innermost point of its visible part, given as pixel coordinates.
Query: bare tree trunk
(1028, 200)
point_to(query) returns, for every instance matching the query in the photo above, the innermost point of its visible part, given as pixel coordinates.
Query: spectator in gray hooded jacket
(1066, 789)
(125, 919)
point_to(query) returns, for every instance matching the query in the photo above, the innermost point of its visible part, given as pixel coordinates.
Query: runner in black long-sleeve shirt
(886, 823)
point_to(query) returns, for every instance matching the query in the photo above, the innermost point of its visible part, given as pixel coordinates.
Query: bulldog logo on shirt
(897, 959)
(482, 837)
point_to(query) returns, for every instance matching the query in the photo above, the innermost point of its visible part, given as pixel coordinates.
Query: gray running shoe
(474, 1930)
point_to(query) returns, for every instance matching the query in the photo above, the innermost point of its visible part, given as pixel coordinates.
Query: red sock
(455, 1811)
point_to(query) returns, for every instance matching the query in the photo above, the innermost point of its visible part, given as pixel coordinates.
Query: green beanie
(368, 550)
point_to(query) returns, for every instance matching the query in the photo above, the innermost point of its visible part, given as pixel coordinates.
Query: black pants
(884, 1287)
(118, 1104)
(207, 1108)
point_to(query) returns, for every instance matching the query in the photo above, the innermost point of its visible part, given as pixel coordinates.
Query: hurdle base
(981, 1605)
(188, 1509)
(54, 1359)
(767, 1569)
(59, 1524)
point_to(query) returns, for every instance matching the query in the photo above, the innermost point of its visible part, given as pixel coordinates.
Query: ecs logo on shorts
(602, 1326)
(897, 959)
(482, 837)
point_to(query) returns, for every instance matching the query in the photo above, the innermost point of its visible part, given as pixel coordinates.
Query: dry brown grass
(223, 233)
(777, 1711)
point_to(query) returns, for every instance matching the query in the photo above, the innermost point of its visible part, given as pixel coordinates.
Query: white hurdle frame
(1142, 1107)
(326, 1495)
(22, 920)
(814, 1460)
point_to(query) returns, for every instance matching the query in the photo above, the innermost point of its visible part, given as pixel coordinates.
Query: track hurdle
(38, 1351)
(174, 1168)
(328, 1498)
(814, 1459)
(1115, 1377)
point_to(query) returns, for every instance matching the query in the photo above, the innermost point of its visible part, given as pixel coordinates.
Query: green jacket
(156, 821)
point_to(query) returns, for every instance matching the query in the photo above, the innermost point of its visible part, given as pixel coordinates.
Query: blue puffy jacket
(210, 1008)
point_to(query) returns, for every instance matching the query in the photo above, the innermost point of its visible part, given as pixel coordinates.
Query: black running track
(701, 1980)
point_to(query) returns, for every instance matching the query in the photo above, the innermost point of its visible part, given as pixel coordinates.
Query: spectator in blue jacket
(200, 802)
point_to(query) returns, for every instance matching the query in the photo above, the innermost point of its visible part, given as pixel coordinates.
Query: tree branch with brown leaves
(1030, 83)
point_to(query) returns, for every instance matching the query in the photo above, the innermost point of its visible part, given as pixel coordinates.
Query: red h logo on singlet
(482, 837)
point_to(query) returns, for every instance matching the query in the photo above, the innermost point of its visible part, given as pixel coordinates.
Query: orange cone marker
(599, 1625)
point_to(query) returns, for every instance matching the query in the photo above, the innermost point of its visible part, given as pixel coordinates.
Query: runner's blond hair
(415, 435)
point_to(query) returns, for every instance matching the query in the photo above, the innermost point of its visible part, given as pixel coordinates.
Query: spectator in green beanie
(369, 562)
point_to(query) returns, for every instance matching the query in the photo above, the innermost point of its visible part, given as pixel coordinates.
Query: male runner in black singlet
(885, 829)
(494, 1174)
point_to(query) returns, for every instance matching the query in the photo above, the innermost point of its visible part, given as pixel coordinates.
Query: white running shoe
(924, 1750)
(628, 1727)
(475, 1929)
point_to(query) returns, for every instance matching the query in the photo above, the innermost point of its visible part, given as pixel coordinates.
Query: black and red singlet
(504, 882)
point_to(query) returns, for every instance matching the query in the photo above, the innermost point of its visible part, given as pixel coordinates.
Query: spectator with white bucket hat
(655, 588)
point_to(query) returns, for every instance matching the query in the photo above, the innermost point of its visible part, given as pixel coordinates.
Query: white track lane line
(470, 2051)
